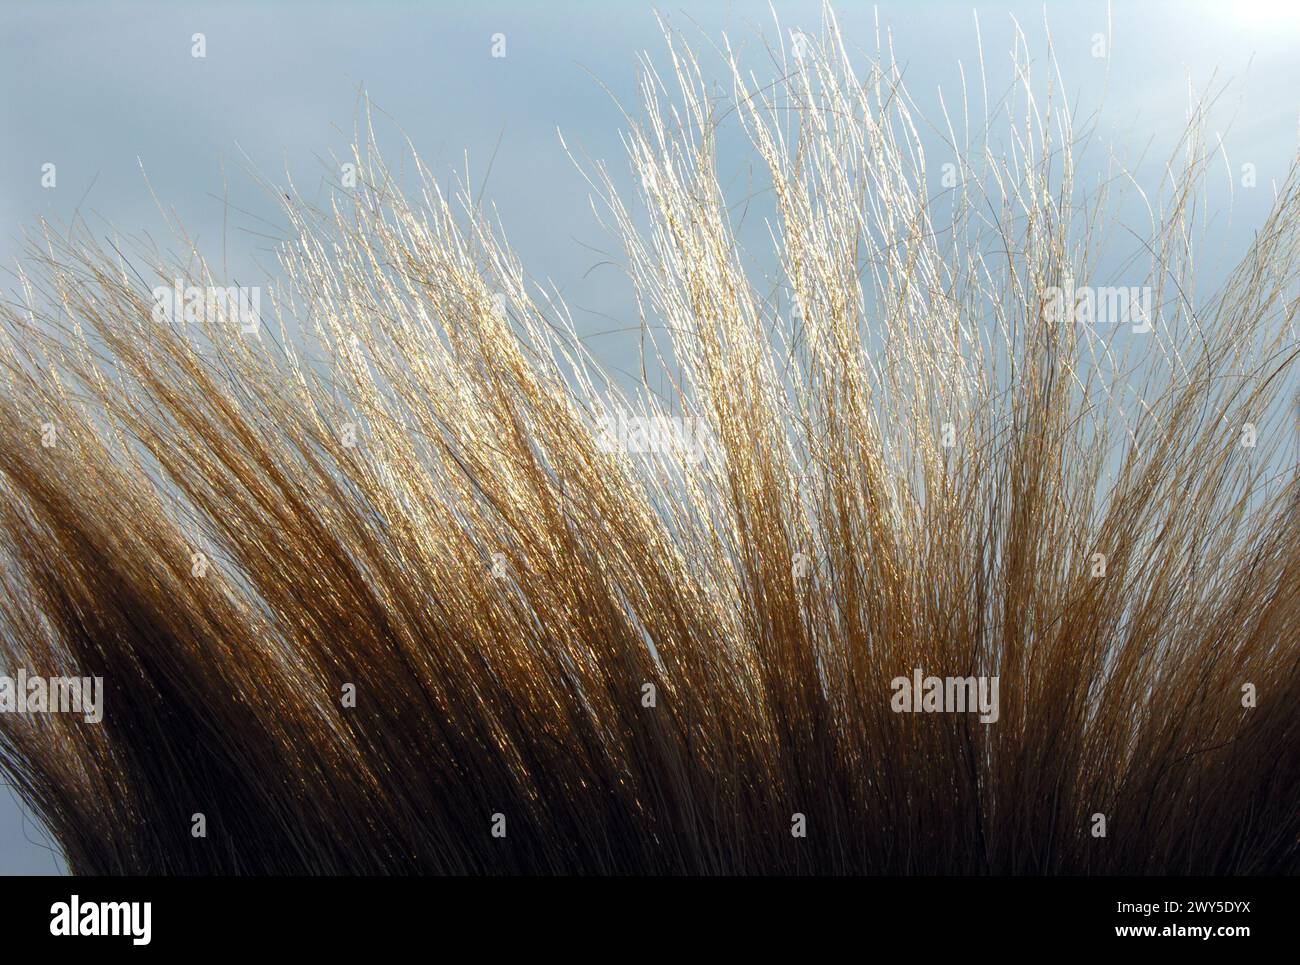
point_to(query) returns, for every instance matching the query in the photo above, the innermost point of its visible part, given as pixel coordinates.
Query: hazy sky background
(109, 92)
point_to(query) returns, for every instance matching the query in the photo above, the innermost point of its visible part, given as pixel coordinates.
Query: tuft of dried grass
(911, 464)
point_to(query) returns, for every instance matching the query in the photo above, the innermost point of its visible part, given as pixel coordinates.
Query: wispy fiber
(913, 464)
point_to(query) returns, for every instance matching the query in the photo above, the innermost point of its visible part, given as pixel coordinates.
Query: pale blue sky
(104, 89)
